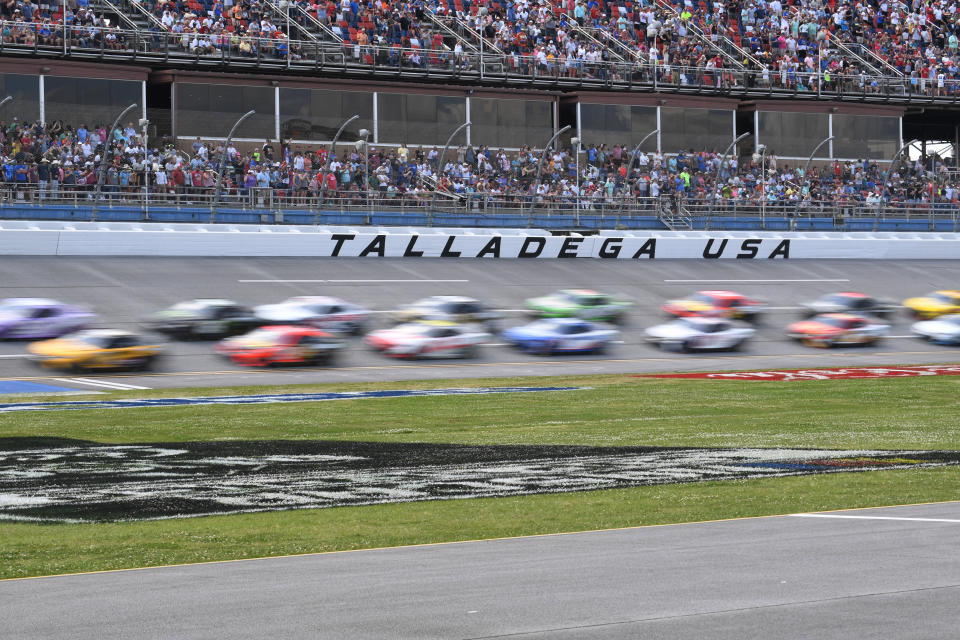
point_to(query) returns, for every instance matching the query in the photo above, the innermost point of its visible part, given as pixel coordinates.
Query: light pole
(819, 69)
(289, 37)
(144, 123)
(536, 185)
(762, 148)
(443, 154)
(575, 143)
(326, 165)
(362, 144)
(633, 157)
(223, 164)
(102, 169)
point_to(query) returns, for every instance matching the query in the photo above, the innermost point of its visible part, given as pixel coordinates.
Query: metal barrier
(26, 200)
(241, 51)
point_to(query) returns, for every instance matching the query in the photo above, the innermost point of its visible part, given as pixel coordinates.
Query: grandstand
(834, 106)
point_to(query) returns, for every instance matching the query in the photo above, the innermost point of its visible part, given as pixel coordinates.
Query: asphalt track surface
(876, 573)
(124, 290)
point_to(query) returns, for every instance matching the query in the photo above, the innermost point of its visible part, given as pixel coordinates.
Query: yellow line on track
(453, 542)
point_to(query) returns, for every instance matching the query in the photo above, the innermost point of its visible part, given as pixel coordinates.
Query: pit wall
(157, 239)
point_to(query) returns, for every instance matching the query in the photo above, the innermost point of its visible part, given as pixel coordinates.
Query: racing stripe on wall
(267, 399)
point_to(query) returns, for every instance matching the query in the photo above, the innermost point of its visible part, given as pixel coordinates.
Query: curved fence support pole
(533, 196)
(894, 163)
(806, 168)
(813, 153)
(443, 154)
(223, 164)
(633, 157)
(716, 177)
(326, 166)
(102, 170)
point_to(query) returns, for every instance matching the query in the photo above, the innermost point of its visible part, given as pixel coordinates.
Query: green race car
(579, 303)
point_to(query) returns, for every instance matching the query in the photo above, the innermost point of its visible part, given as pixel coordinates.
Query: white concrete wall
(136, 239)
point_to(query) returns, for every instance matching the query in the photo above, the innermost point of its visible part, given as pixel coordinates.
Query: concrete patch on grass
(50, 480)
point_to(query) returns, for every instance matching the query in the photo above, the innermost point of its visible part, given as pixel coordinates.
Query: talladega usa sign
(635, 248)
(158, 239)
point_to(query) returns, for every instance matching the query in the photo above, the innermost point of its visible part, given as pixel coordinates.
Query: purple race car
(35, 318)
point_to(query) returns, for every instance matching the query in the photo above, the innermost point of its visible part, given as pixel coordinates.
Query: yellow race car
(934, 304)
(96, 349)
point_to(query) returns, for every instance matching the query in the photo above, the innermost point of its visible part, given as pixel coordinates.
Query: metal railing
(33, 200)
(245, 52)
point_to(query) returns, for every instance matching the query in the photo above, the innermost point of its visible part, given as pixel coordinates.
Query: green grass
(905, 413)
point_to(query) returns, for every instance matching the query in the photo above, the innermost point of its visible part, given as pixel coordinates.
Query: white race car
(38, 318)
(942, 330)
(428, 340)
(693, 333)
(330, 314)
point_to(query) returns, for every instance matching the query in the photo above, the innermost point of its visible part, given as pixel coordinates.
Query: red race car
(715, 304)
(280, 344)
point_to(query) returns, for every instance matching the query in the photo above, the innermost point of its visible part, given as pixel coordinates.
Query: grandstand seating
(56, 162)
(874, 47)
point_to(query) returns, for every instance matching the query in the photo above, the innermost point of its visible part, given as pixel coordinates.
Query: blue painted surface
(566, 219)
(265, 399)
(23, 386)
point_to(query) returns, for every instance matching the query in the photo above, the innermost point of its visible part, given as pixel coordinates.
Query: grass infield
(902, 413)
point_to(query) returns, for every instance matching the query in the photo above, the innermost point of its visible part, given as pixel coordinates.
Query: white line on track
(830, 515)
(101, 383)
(347, 281)
(763, 280)
(16, 355)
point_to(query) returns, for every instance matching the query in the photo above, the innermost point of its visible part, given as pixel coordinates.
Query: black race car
(204, 319)
(847, 302)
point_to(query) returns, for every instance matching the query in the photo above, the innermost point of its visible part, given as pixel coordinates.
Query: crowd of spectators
(60, 161)
(805, 45)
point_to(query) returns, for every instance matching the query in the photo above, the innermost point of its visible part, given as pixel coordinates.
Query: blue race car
(560, 335)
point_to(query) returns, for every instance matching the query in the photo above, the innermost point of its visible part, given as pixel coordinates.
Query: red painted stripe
(790, 375)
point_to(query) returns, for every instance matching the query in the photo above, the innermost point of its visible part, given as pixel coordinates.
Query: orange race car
(829, 329)
(280, 344)
(714, 304)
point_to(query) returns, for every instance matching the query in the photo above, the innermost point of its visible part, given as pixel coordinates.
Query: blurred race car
(280, 344)
(204, 318)
(37, 318)
(690, 334)
(97, 349)
(942, 330)
(837, 328)
(934, 304)
(579, 303)
(331, 314)
(448, 309)
(561, 335)
(847, 302)
(430, 339)
(715, 304)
